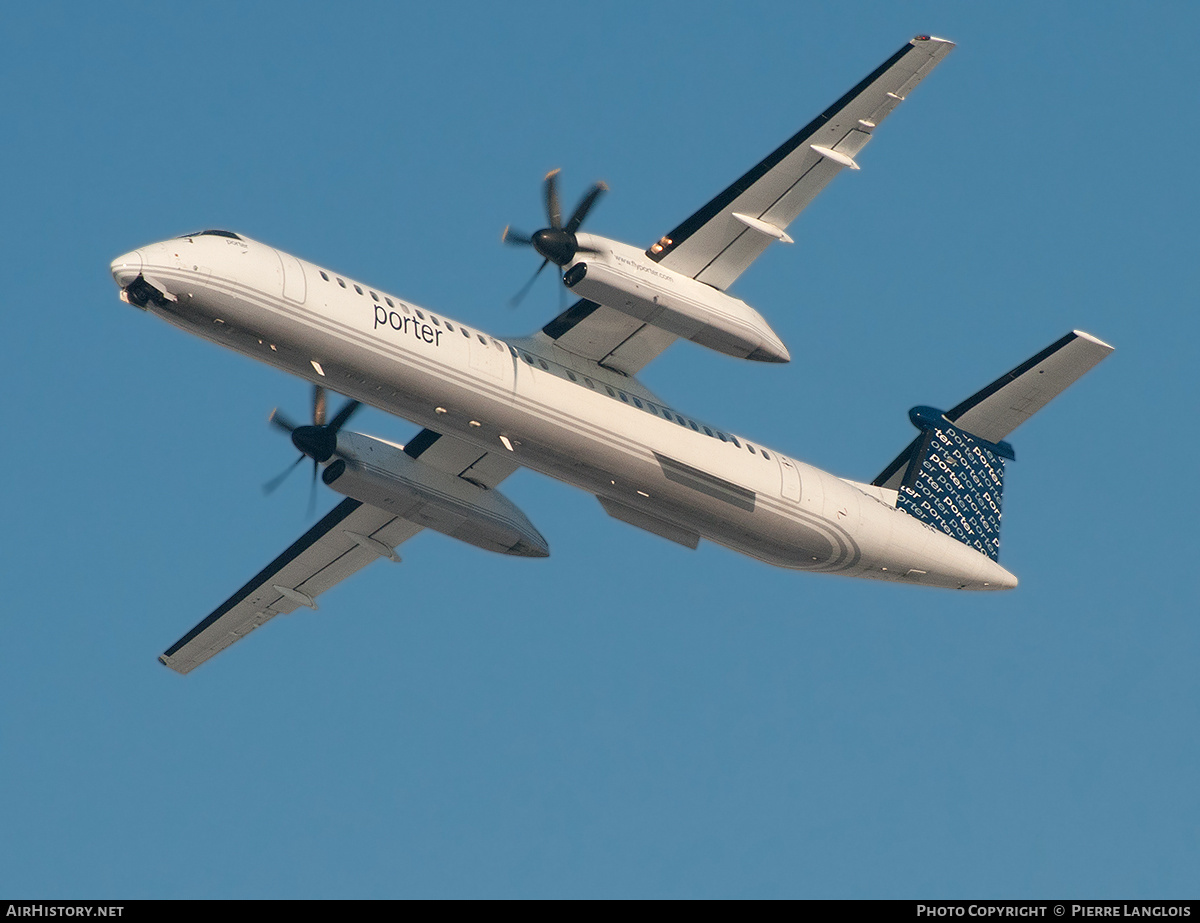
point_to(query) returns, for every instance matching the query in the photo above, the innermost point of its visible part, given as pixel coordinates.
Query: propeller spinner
(557, 243)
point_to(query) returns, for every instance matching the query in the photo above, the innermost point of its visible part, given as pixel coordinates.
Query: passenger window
(765, 455)
(435, 321)
(389, 301)
(358, 289)
(542, 363)
(707, 430)
(340, 282)
(323, 276)
(637, 403)
(374, 297)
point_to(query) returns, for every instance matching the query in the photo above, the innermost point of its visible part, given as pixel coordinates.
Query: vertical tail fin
(952, 475)
(955, 481)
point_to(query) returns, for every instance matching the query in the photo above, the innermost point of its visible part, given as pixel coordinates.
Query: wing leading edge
(720, 241)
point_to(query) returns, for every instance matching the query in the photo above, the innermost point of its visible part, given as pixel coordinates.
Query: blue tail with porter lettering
(952, 475)
(955, 481)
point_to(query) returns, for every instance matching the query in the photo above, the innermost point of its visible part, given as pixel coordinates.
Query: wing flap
(348, 538)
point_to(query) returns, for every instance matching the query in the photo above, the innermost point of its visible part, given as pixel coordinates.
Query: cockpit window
(211, 233)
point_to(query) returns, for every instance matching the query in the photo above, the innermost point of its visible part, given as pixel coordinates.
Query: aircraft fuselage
(557, 414)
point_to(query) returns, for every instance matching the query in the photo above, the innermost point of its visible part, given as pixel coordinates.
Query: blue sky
(626, 718)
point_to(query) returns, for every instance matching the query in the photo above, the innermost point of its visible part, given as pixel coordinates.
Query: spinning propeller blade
(317, 441)
(556, 243)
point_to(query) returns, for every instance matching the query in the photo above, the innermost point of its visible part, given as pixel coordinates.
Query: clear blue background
(627, 718)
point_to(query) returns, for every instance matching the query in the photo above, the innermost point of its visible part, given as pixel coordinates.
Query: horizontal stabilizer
(1012, 399)
(951, 477)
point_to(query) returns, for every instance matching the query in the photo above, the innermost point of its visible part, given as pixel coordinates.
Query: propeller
(317, 441)
(557, 243)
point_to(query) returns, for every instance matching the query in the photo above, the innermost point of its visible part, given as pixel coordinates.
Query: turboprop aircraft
(566, 401)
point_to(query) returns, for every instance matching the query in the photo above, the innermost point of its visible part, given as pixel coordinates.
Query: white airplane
(566, 402)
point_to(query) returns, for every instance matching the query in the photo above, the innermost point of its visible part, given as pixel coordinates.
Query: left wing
(349, 538)
(720, 241)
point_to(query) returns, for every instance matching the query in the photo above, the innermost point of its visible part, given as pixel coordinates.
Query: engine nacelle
(381, 474)
(625, 279)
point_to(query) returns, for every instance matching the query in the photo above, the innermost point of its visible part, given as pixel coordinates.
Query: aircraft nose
(127, 267)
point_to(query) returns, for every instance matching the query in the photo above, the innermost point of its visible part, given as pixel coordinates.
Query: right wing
(350, 537)
(716, 247)
(720, 241)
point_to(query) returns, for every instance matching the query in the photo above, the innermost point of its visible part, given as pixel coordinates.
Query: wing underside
(348, 538)
(717, 244)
